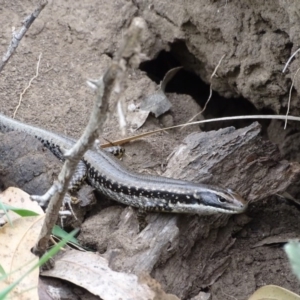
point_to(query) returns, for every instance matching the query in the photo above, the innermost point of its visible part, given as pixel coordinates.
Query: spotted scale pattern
(153, 193)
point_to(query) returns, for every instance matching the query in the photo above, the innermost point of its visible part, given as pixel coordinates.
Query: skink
(150, 193)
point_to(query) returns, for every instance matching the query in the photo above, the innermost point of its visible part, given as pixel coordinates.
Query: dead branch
(255, 117)
(104, 86)
(210, 90)
(28, 86)
(289, 60)
(17, 36)
(290, 96)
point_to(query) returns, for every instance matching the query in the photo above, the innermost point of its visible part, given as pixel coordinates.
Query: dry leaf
(158, 103)
(274, 292)
(16, 242)
(91, 271)
(136, 118)
(275, 240)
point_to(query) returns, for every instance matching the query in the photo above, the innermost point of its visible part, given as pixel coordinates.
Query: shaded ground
(77, 39)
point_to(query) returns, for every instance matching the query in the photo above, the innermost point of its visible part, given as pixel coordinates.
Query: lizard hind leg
(76, 182)
(78, 177)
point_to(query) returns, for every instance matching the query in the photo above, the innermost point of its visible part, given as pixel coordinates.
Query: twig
(104, 87)
(122, 120)
(289, 60)
(290, 96)
(217, 67)
(28, 86)
(255, 117)
(232, 297)
(210, 90)
(17, 36)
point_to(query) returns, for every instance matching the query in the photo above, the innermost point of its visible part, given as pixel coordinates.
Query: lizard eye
(221, 199)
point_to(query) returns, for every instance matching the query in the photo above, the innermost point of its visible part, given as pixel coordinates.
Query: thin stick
(210, 90)
(122, 119)
(17, 36)
(217, 67)
(255, 117)
(232, 297)
(289, 60)
(290, 96)
(104, 88)
(28, 86)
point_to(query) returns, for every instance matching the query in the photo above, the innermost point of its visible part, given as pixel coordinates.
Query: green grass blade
(2, 271)
(3, 207)
(60, 233)
(20, 211)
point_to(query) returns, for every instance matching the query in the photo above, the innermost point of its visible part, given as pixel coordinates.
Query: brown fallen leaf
(156, 288)
(91, 271)
(16, 242)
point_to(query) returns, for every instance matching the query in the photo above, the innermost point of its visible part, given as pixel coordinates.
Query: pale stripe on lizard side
(153, 193)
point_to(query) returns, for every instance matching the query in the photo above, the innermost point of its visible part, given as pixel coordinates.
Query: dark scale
(116, 187)
(131, 191)
(162, 208)
(93, 175)
(108, 187)
(55, 149)
(91, 172)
